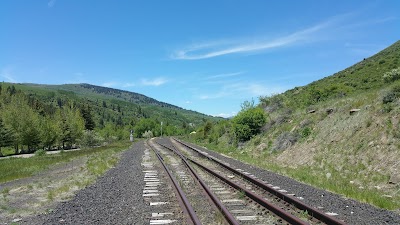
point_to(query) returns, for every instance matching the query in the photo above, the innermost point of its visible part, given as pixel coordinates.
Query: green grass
(17, 168)
(336, 183)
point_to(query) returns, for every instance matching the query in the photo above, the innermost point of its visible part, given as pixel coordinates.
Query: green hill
(340, 133)
(35, 116)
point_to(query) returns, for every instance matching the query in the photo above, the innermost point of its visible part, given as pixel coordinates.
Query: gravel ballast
(351, 211)
(115, 198)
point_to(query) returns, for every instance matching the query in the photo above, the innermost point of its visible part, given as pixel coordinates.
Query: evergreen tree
(6, 136)
(119, 121)
(66, 137)
(87, 116)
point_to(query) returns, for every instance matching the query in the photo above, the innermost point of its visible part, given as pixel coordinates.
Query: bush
(391, 75)
(248, 123)
(392, 95)
(91, 138)
(148, 134)
(40, 152)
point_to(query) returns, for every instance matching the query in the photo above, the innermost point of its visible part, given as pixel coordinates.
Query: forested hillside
(48, 117)
(340, 133)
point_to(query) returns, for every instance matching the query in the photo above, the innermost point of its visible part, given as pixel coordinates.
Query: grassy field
(16, 168)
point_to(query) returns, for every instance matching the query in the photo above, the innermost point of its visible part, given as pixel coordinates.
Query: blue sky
(207, 56)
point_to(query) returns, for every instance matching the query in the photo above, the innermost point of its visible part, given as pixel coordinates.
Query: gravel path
(115, 198)
(351, 211)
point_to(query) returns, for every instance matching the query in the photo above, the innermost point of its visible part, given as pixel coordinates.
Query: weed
(305, 132)
(50, 195)
(304, 214)
(241, 194)
(5, 192)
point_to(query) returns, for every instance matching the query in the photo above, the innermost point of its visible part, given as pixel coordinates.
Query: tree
(247, 123)
(6, 136)
(50, 132)
(88, 118)
(72, 125)
(146, 124)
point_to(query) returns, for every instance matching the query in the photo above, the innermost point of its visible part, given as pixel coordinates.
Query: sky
(209, 56)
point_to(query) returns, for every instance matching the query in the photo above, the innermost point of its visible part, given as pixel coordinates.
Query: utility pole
(161, 128)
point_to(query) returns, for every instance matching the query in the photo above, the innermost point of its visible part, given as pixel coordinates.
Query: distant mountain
(108, 104)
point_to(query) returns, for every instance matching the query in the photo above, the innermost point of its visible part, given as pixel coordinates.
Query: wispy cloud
(7, 74)
(215, 49)
(224, 75)
(195, 52)
(129, 85)
(242, 90)
(110, 84)
(154, 82)
(51, 3)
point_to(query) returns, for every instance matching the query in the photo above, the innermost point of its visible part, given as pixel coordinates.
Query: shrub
(148, 134)
(392, 95)
(91, 138)
(248, 123)
(40, 152)
(392, 75)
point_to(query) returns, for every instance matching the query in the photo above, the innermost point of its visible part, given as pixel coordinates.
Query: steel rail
(292, 200)
(228, 216)
(188, 207)
(259, 199)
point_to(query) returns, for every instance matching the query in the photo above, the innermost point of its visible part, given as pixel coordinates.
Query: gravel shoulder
(351, 211)
(115, 198)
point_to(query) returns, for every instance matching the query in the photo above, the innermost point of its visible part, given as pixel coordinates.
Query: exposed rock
(352, 111)
(311, 111)
(328, 175)
(394, 179)
(387, 196)
(329, 111)
(261, 147)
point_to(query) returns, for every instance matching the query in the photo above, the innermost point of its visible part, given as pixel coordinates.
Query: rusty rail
(259, 199)
(182, 197)
(292, 200)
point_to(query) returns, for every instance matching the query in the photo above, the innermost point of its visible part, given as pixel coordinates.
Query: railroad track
(239, 197)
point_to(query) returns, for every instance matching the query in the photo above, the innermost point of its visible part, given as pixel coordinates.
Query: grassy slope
(353, 155)
(128, 101)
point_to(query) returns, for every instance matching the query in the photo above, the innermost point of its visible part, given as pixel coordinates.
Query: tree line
(29, 121)
(26, 125)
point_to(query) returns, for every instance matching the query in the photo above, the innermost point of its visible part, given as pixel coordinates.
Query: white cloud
(215, 49)
(154, 82)
(226, 115)
(109, 84)
(224, 75)
(242, 90)
(51, 3)
(188, 102)
(129, 85)
(6, 73)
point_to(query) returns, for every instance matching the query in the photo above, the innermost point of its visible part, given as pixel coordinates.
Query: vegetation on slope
(341, 133)
(50, 117)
